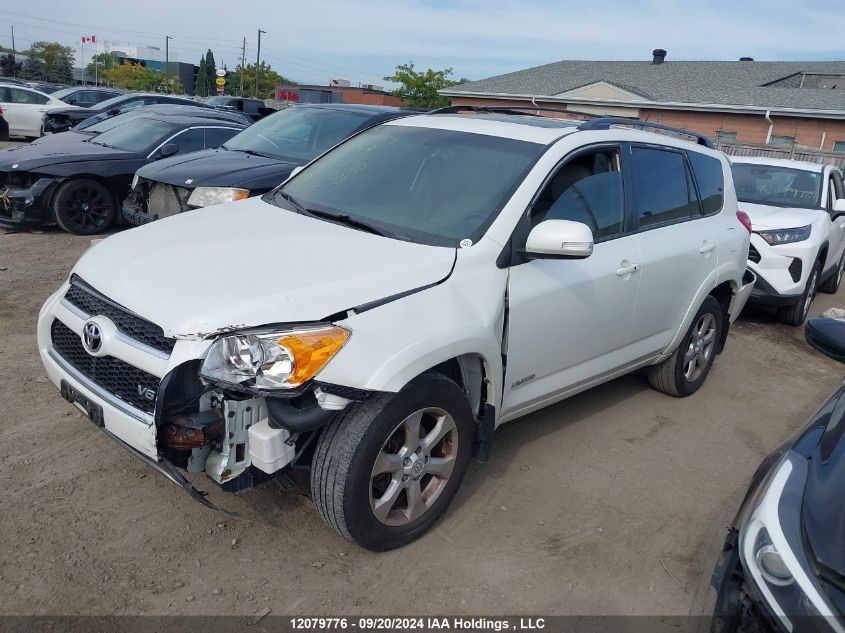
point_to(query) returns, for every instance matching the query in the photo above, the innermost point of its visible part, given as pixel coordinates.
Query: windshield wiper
(343, 218)
(251, 152)
(297, 206)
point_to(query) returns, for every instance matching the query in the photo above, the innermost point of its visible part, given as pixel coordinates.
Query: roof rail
(521, 110)
(605, 123)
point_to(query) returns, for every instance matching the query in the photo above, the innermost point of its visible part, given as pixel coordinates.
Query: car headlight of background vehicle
(273, 360)
(772, 550)
(207, 196)
(785, 236)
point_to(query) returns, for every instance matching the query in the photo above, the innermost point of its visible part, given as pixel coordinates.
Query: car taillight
(743, 218)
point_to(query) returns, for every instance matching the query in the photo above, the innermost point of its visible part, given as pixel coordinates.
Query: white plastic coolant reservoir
(267, 447)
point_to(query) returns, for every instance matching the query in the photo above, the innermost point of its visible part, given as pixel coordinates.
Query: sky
(363, 40)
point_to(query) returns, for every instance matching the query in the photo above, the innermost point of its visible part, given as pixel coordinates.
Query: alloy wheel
(413, 466)
(811, 292)
(87, 207)
(701, 345)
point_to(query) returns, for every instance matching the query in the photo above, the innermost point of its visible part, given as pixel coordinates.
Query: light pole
(258, 62)
(167, 39)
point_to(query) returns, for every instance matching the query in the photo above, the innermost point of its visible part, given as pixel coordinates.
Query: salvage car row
(404, 283)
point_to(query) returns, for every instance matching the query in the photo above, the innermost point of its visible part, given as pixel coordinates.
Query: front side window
(662, 190)
(710, 180)
(426, 185)
(777, 186)
(201, 138)
(587, 189)
(139, 135)
(298, 133)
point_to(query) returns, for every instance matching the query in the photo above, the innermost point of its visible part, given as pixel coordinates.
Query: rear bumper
(749, 279)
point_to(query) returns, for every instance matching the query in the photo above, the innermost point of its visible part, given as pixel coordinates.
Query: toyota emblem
(92, 337)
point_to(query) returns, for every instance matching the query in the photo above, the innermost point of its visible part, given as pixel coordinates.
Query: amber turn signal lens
(312, 350)
(240, 194)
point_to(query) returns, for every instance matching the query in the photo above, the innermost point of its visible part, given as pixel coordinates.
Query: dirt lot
(614, 502)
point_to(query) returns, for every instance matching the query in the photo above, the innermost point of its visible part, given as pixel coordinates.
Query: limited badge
(466, 243)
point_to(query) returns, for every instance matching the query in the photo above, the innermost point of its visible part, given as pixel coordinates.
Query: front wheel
(84, 207)
(685, 370)
(831, 284)
(796, 314)
(384, 471)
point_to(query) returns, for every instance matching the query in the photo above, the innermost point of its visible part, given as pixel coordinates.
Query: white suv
(798, 243)
(377, 316)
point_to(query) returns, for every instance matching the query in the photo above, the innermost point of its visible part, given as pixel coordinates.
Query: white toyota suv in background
(377, 316)
(797, 215)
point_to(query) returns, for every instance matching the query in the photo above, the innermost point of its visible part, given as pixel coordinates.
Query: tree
(420, 90)
(9, 67)
(210, 72)
(200, 88)
(48, 61)
(100, 63)
(268, 79)
(129, 76)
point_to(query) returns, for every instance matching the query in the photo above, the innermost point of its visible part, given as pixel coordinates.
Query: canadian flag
(89, 38)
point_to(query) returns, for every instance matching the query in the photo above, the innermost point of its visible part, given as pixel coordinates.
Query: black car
(79, 184)
(85, 96)
(4, 127)
(251, 163)
(782, 566)
(62, 119)
(253, 108)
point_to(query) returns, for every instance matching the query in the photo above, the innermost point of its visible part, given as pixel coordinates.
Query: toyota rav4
(377, 316)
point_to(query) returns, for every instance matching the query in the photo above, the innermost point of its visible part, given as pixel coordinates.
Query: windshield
(432, 186)
(141, 135)
(298, 133)
(219, 101)
(58, 94)
(777, 186)
(107, 124)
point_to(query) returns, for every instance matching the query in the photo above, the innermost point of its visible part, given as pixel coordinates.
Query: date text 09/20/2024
(422, 624)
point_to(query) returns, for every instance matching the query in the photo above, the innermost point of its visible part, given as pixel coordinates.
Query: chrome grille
(92, 303)
(112, 374)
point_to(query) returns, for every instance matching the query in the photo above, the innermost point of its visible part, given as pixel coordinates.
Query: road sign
(220, 81)
(221, 72)
(220, 90)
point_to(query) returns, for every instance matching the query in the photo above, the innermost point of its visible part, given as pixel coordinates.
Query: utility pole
(167, 39)
(14, 53)
(258, 62)
(243, 66)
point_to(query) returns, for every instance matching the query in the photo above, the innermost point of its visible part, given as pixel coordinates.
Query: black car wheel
(84, 207)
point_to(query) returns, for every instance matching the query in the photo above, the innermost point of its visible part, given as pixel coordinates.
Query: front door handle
(627, 270)
(707, 248)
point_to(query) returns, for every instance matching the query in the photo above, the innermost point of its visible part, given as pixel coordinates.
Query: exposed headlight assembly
(265, 361)
(772, 550)
(785, 236)
(207, 196)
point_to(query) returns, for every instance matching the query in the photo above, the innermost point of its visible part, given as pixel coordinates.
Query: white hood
(250, 263)
(765, 217)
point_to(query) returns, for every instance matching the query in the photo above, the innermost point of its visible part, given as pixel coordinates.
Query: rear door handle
(627, 270)
(708, 247)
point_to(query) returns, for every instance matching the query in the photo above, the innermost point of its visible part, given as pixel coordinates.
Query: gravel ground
(613, 502)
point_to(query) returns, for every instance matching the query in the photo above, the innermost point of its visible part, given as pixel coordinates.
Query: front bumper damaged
(27, 206)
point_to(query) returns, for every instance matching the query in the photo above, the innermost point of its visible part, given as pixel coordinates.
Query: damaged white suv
(375, 318)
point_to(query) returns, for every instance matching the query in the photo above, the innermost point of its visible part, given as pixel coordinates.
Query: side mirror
(166, 150)
(827, 336)
(839, 207)
(559, 239)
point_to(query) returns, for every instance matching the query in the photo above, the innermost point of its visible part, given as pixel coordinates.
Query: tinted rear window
(710, 180)
(661, 187)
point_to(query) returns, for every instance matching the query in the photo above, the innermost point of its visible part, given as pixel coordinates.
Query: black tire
(342, 479)
(672, 376)
(831, 284)
(84, 207)
(795, 314)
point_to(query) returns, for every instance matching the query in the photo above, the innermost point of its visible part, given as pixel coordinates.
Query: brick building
(338, 91)
(777, 103)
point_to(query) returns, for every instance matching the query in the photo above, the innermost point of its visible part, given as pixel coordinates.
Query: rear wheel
(84, 207)
(795, 314)
(831, 284)
(684, 372)
(386, 470)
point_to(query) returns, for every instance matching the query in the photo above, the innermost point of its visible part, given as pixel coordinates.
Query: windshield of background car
(427, 185)
(298, 133)
(111, 122)
(219, 101)
(58, 94)
(777, 186)
(141, 135)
